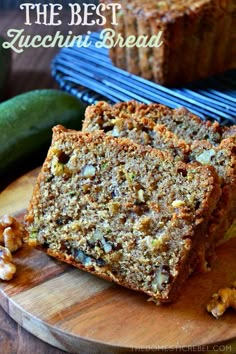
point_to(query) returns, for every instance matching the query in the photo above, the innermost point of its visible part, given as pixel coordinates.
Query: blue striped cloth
(13, 4)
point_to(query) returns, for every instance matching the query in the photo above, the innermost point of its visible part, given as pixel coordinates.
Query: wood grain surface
(80, 313)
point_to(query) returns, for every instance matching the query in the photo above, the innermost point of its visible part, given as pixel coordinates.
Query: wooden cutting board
(81, 313)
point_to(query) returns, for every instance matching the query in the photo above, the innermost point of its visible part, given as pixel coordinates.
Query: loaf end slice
(128, 213)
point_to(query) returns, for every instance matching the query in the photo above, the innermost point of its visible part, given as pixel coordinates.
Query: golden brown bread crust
(53, 211)
(197, 37)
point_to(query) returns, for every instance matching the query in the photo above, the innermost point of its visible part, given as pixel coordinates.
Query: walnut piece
(89, 171)
(178, 203)
(162, 277)
(7, 268)
(221, 301)
(11, 233)
(205, 157)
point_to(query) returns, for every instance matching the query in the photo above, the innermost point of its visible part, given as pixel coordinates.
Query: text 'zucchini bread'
(126, 212)
(197, 36)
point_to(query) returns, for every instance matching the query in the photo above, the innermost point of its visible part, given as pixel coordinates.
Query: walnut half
(11, 233)
(7, 268)
(221, 301)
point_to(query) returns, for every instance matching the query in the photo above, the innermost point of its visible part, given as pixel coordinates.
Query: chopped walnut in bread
(12, 233)
(7, 268)
(221, 301)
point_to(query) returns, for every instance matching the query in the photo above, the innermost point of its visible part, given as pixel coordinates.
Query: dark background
(31, 69)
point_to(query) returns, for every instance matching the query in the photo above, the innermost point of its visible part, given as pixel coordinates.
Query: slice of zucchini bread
(119, 122)
(179, 121)
(137, 122)
(197, 38)
(126, 212)
(185, 124)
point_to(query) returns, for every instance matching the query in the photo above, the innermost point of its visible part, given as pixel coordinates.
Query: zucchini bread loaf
(126, 212)
(137, 122)
(198, 38)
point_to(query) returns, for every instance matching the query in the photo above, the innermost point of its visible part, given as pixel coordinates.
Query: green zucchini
(26, 121)
(5, 68)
